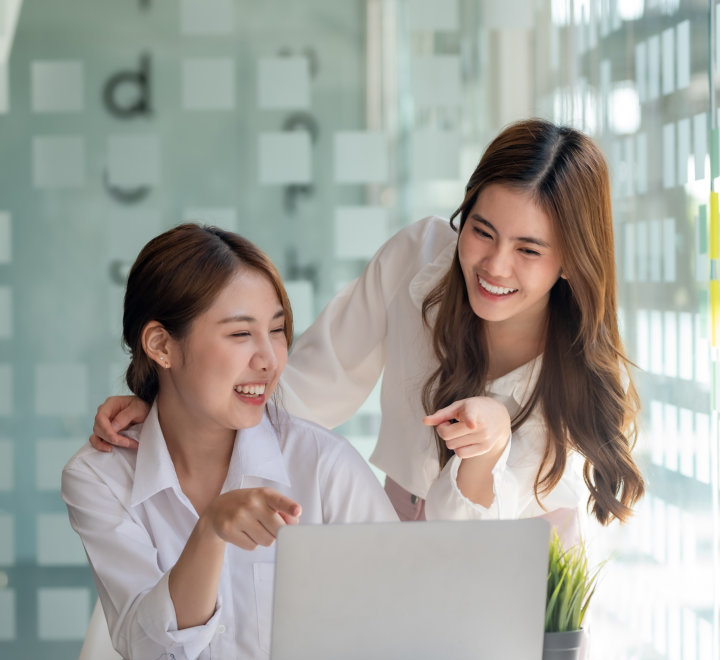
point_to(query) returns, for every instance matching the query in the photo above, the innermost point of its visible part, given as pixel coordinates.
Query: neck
(195, 447)
(512, 345)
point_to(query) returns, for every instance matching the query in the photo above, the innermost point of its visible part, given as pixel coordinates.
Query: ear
(562, 274)
(156, 342)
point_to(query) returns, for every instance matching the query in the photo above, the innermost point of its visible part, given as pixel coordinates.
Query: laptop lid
(430, 590)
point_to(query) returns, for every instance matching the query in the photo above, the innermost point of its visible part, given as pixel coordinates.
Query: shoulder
(116, 468)
(295, 431)
(427, 237)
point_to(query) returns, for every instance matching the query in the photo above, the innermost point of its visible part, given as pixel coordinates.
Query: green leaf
(570, 586)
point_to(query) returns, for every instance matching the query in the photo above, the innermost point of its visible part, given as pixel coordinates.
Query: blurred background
(317, 129)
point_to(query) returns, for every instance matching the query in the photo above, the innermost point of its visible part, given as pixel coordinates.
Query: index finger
(283, 505)
(451, 414)
(446, 414)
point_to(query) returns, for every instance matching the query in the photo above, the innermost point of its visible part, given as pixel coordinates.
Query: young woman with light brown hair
(506, 392)
(558, 178)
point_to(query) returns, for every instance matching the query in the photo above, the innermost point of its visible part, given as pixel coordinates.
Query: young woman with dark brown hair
(506, 391)
(180, 534)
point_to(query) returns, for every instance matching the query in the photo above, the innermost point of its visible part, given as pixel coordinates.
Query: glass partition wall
(317, 129)
(640, 77)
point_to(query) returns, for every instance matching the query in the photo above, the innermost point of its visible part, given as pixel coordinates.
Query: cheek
(464, 255)
(281, 355)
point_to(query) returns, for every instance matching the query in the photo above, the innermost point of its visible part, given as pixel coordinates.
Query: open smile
(253, 393)
(494, 290)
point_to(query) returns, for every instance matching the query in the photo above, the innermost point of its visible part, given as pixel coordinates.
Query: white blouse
(134, 521)
(374, 327)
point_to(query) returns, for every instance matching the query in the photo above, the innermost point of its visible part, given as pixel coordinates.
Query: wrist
(207, 531)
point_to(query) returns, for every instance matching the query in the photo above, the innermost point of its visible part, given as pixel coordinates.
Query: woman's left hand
(472, 427)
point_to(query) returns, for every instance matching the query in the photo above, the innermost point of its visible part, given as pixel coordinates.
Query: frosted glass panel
(50, 458)
(58, 161)
(436, 155)
(6, 314)
(61, 389)
(5, 238)
(57, 543)
(285, 158)
(433, 14)
(7, 614)
(62, 613)
(133, 160)
(4, 88)
(7, 465)
(206, 16)
(58, 86)
(7, 539)
(360, 231)
(208, 84)
(6, 390)
(361, 157)
(302, 300)
(283, 83)
(436, 80)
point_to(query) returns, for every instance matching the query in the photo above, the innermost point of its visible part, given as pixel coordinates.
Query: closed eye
(281, 329)
(481, 232)
(242, 333)
(528, 251)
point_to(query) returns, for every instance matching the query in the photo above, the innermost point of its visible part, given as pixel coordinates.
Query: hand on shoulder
(116, 414)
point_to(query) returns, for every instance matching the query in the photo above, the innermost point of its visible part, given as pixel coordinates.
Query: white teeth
(496, 290)
(252, 390)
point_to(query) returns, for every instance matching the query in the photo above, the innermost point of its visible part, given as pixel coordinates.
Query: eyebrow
(523, 239)
(240, 318)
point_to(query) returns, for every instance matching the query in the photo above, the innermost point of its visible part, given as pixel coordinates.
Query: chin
(248, 421)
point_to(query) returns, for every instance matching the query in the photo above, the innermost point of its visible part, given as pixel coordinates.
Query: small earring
(165, 363)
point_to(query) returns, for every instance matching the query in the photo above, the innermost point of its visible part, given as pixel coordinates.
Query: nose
(264, 358)
(498, 262)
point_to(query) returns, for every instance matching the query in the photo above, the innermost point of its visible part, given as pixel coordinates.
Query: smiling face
(228, 365)
(509, 258)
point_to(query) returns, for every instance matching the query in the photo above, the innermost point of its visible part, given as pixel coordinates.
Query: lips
(256, 389)
(495, 290)
(252, 394)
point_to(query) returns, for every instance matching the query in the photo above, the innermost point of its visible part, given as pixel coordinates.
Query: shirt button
(221, 629)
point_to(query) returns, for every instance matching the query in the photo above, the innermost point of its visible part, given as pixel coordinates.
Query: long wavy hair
(584, 389)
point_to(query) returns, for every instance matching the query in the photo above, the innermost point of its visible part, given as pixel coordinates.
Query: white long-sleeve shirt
(134, 521)
(374, 327)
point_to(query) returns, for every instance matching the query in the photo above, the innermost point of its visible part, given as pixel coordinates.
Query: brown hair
(175, 278)
(584, 388)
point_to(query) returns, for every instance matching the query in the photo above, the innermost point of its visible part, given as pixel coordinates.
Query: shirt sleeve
(351, 493)
(513, 487)
(445, 500)
(337, 361)
(133, 590)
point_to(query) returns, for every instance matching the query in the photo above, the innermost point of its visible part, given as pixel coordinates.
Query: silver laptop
(422, 591)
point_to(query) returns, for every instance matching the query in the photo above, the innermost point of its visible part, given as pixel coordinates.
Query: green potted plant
(571, 585)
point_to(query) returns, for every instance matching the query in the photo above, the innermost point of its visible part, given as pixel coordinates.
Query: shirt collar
(519, 383)
(256, 453)
(154, 469)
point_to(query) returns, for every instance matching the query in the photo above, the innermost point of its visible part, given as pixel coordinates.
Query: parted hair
(175, 278)
(584, 388)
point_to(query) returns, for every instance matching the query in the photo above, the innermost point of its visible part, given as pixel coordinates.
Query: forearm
(195, 577)
(475, 477)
